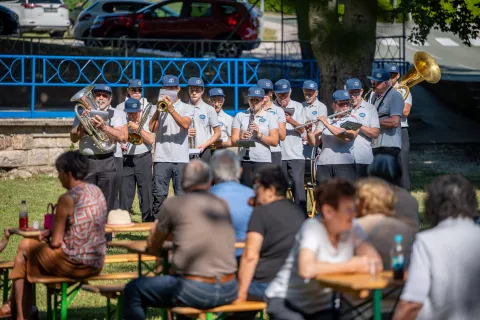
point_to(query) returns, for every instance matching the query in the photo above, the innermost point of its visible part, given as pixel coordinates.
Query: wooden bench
(5, 270)
(244, 306)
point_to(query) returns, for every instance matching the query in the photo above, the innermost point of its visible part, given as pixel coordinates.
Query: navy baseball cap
(135, 83)
(282, 86)
(197, 82)
(392, 68)
(170, 81)
(341, 95)
(256, 92)
(353, 84)
(265, 84)
(380, 75)
(216, 92)
(310, 85)
(102, 88)
(132, 105)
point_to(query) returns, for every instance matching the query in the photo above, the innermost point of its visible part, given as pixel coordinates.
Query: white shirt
(280, 116)
(335, 150)
(444, 273)
(308, 294)
(292, 146)
(367, 115)
(404, 119)
(171, 141)
(205, 119)
(225, 123)
(116, 119)
(265, 121)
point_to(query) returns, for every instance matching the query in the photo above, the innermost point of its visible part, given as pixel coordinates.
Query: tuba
(424, 68)
(86, 100)
(135, 137)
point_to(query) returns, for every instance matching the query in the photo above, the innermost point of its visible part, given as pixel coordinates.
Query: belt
(212, 280)
(138, 155)
(101, 156)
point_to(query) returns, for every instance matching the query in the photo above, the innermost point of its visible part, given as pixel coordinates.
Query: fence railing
(69, 73)
(387, 48)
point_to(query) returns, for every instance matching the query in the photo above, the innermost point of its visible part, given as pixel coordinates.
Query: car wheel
(57, 34)
(227, 49)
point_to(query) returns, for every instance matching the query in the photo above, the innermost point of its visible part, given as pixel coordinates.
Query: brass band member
(217, 99)
(389, 105)
(293, 160)
(405, 149)
(260, 126)
(171, 144)
(205, 129)
(367, 115)
(137, 161)
(134, 90)
(313, 107)
(101, 164)
(336, 159)
(278, 112)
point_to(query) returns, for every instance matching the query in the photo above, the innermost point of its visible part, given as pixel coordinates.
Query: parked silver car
(102, 7)
(40, 16)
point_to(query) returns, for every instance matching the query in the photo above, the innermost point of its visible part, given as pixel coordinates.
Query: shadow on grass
(99, 313)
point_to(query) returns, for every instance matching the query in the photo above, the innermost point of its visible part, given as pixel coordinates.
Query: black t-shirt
(278, 222)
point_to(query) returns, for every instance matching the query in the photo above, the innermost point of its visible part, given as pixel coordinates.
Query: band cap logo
(202, 116)
(284, 86)
(171, 80)
(257, 91)
(312, 85)
(346, 94)
(198, 81)
(356, 83)
(379, 75)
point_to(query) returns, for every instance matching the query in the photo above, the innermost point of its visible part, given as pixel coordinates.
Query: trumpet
(347, 112)
(86, 100)
(162, 105)
(135, 137)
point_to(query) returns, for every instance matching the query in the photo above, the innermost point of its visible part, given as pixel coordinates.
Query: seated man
(227, 171)
(204, 254)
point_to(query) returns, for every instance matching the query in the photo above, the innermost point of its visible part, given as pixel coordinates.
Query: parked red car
(186, 20)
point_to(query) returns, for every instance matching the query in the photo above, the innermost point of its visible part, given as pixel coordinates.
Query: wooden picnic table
(361, 284)
(137, 227)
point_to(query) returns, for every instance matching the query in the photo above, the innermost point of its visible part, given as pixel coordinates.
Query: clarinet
(247, 149)
(192, 140)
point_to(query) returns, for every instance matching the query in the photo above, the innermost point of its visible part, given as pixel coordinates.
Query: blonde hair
(377, 197)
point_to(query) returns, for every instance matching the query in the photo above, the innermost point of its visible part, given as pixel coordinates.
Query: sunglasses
(101, 94)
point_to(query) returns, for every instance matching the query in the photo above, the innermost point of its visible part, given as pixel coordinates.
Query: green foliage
(275, 5)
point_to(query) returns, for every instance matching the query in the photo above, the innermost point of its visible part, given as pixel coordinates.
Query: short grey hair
(226, 165)
(196, 173)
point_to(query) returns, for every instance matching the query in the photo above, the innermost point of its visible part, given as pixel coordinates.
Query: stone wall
(30, 146)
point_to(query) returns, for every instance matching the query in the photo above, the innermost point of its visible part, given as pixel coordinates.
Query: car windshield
(168, 10)
(45, 1)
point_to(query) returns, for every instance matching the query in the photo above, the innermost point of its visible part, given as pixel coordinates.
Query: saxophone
(135, 137)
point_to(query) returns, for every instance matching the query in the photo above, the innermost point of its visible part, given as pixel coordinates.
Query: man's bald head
(197, 175)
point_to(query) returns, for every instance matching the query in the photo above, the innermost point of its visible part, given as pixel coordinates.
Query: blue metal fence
(32, 72)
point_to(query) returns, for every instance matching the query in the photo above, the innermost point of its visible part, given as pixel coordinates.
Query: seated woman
(77, 245)
(270, 235)
(375, 204)
(332, 244)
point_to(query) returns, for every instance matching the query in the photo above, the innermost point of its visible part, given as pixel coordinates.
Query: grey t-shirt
(308, 294)
(265, 121)
(292, 146)
(444, 273)
(171, 141)
(203, 234)
(116, 119)
(135, 149)
(335, 150)
(280, 116)
(392, 105)
(204, 120)
(225, 122)
(367, 115)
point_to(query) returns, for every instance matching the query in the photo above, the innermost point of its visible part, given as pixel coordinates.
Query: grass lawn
(426, 164)
(269, 34)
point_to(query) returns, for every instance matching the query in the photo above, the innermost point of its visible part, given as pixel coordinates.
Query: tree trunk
(302, 9)
(343, 49)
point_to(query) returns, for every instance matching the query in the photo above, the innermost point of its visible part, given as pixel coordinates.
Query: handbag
(49, 218)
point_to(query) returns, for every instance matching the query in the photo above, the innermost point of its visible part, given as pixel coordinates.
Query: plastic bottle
(398, 258)
(23, 215)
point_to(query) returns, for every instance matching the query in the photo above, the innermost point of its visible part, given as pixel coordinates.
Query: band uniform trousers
(162, 173)
(137, 171)
(346, 171)
(118, 181)
(404, 158)
(295, 171)
(277, 158)
(362, 170)
(101, 172)
(249, 171)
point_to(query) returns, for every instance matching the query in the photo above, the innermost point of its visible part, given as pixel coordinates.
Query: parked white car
(103, 7)
(40, 16)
